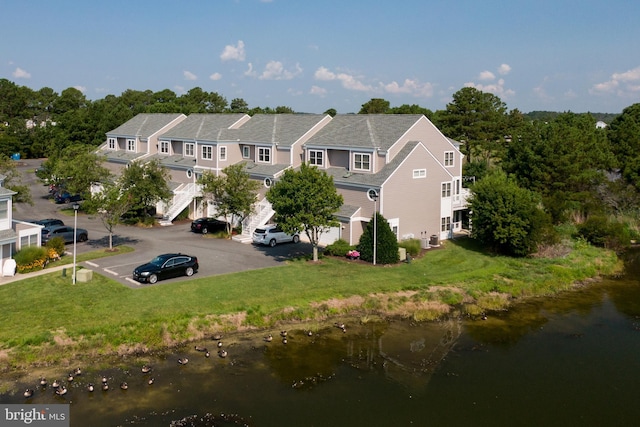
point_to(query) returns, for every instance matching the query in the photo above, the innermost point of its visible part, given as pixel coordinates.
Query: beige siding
(415, 201)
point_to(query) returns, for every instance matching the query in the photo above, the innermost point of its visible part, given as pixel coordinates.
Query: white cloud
(179, 89)
(486, 75)
(188, 75)
(235, 53)
(323, 73)
(412, 87)
(497, 89)
(19, 73)
(250, 71)
(82, 89)
(274, 70)
(621, 84)
(348, 81)
(215, 76)
(504, 69)
(317, 90)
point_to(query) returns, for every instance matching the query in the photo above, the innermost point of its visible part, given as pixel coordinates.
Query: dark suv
(49, 222)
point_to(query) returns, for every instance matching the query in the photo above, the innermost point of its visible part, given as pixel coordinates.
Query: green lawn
(44, 317)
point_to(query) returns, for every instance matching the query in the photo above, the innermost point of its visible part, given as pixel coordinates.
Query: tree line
(540, 170)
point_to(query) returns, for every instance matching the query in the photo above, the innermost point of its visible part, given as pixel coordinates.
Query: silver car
(272, 235)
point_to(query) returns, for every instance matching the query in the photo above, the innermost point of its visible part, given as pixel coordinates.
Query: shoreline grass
(46, 319)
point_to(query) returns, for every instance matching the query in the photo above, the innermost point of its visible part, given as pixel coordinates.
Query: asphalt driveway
(215, 256)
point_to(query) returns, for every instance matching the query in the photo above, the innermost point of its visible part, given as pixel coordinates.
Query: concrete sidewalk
(21, 276)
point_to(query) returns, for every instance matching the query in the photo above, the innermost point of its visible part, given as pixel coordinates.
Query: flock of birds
(60, 389)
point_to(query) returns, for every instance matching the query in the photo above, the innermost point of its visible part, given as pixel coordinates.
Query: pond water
(573, 359)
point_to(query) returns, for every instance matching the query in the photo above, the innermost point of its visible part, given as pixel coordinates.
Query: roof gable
(202, 127)
(281, 129)
(144, 125)
(364, 131)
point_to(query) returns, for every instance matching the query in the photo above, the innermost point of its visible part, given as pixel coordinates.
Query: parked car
(64, 231)
(208, 225)
(272, 235)
(47, 222)
(66, 197)
(166, 266)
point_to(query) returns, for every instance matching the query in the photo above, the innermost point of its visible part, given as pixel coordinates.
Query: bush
(599, 231)
(31, 258)
(338, 248)
(56, 244)
(386, 242)
(412, 246)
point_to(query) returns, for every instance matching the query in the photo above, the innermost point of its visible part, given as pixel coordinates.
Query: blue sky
(558, 55)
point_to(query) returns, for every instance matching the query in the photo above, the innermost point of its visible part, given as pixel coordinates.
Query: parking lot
(215, 256)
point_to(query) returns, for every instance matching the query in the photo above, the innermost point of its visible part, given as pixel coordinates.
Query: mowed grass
(46, 318)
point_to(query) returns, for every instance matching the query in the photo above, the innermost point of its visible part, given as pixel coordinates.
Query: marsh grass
(46, 318)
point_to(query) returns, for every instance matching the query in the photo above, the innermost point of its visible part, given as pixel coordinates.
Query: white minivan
(272, 235)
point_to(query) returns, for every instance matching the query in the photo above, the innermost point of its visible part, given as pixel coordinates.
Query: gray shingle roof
(264, 170)
(364, 130)
(144, 125)
(343, 176)
(284, 129)
(199, 127)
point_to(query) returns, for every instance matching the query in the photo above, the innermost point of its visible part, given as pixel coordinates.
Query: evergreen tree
(386, 242)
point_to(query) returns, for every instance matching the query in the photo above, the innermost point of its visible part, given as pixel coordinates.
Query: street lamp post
(76, 206)
(373, 195)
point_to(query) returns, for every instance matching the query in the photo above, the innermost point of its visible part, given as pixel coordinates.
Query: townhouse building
(399, 165)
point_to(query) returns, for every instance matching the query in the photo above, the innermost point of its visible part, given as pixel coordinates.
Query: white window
(222, 154)
(419, 173)
(448, 158)
(362, 162)
(112, 143)
(131, 145)
(207, 152)
(164, 147)
(446, 189)
(28, 240)
(4, 209)
(189, 149)
(246, 152)
(446, 224)
(264, 155)
(316, 157)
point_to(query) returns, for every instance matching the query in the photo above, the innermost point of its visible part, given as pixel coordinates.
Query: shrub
(31, 258)
(386, 242)
(338, 248)
(56, 244)
(411, 245)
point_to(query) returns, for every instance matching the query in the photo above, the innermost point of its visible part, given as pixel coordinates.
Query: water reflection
(571, 359)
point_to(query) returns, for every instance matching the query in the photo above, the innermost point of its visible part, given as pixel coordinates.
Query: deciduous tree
(233, 194)
(506, 217)
(305, 200)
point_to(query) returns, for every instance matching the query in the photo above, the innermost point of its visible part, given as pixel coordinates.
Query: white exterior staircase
(263, 214)
(182, 196)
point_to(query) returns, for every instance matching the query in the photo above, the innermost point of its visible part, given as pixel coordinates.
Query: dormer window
(264, 155)
(189, 149)
(316, 157)
(131, 145)
(222, 154)
(362, 162)
(164, 147)
(112, 143)
(207, 152)
(246, 152)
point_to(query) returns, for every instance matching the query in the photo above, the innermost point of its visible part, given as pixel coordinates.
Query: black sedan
(166, 266)
(208, 225)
